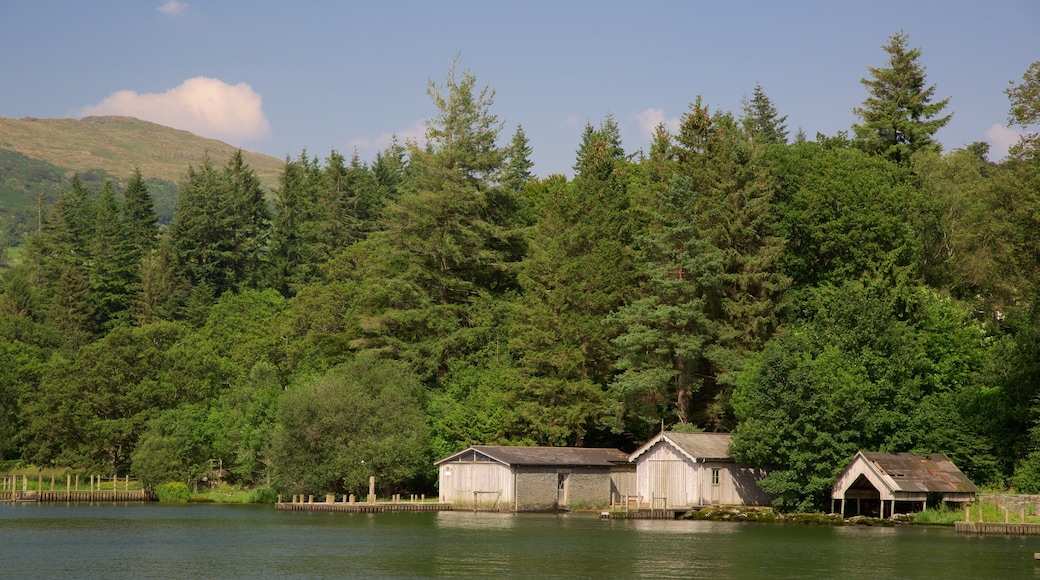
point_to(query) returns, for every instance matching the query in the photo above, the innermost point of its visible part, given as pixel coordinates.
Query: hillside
(116, 145)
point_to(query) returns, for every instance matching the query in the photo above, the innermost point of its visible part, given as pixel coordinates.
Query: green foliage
(364, 418)
(173, 492)
(819, 297)
(899, 117)
(856, 376)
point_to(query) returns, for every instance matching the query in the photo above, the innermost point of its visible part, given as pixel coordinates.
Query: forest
(813, 296)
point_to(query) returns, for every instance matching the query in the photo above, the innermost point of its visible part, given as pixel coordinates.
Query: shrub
(263, 495)
(173, 492)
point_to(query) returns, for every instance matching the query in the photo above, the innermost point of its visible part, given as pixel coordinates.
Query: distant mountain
(39, 156)
(115, 145)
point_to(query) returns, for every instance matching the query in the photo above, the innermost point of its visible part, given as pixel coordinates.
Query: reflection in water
(256, 542)
(475, 520)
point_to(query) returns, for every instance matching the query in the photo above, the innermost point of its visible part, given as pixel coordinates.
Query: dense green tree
(177, 445)
(114, 268)
(857, 376)
(760, 119)
(850, 217)
(220, 229)
(296, 255)
(142, 223)
(337, 429)
(899, 116)
(580, 267)
(668, 332)
(450, 238)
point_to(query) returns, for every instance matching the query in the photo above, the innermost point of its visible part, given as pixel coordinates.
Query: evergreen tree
(115, 266)
(761, 120)
(898, 115)
(221, 225)
(296, 253)
(518, 164)
(142, 223)
(579, 269)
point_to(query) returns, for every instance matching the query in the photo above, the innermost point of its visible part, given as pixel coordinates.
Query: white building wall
(480, 485)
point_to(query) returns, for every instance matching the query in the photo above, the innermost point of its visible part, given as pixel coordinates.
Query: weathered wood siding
(859, 467)
(622, 482)
(478, 485)
(666, 478)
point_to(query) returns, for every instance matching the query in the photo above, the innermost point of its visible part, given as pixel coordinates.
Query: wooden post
(52, 482)
(1006, 517)
(310, 499)
(39, 484)
(351, 498)
(967, 512)
(279, 498)
(68, 486)
(126, 484)
(77, 482)
(372, 489)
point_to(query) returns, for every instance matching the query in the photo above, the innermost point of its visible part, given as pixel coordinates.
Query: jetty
(301, 503)
(15, 489)
(997, 528)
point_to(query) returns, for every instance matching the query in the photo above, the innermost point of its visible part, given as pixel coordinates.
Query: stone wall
(1013, 502)
(537, 488)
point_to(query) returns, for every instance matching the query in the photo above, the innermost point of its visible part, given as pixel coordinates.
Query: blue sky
(278, 77)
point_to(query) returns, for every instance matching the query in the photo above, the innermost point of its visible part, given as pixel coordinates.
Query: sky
(281, 78)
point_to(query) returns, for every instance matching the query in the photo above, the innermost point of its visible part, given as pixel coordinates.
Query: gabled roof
(554, 456)
(935, 473)
(905, 473)
(695, 446)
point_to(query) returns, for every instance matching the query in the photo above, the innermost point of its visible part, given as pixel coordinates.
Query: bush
(263, 495)
(173, 492)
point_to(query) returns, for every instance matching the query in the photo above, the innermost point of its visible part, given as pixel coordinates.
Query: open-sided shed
(503, 478)
(686, 470)
(882, 484)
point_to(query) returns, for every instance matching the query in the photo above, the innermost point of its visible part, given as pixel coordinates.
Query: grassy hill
(39, 156)
(115, 145)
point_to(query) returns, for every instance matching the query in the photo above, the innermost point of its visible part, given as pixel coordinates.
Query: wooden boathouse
(521, 479)
(883, 484)
(681, 471)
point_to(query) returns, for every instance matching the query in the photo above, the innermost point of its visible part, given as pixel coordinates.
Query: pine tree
(517, 169)
(115, 263)
(221, 226)
(139, 215)
(898, 115)
(760, 119)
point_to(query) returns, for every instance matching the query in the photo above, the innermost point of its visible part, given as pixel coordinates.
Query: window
(715, 476)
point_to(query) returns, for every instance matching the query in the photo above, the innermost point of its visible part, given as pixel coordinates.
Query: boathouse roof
(695, 446)
(903, 475)
(520, 455)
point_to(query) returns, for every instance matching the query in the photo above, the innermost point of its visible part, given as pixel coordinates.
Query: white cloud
(416, 133)
(1000, 139)
(652, 117)
(172, 7)
(204, 106)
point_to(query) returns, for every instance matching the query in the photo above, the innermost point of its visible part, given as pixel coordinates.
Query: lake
(248, 541)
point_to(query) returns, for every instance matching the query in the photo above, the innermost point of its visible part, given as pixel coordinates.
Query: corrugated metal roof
(702, 445)
(696, 446)
(914, 473)
(556, 456)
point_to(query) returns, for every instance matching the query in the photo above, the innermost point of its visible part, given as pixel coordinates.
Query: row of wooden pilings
(1007, 528)
(99, 490)
(397, 503)
(351, 499)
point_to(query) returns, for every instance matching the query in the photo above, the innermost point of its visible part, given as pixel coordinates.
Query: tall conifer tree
(899, 116)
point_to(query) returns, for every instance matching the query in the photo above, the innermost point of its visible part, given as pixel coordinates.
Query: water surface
(221, 541)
